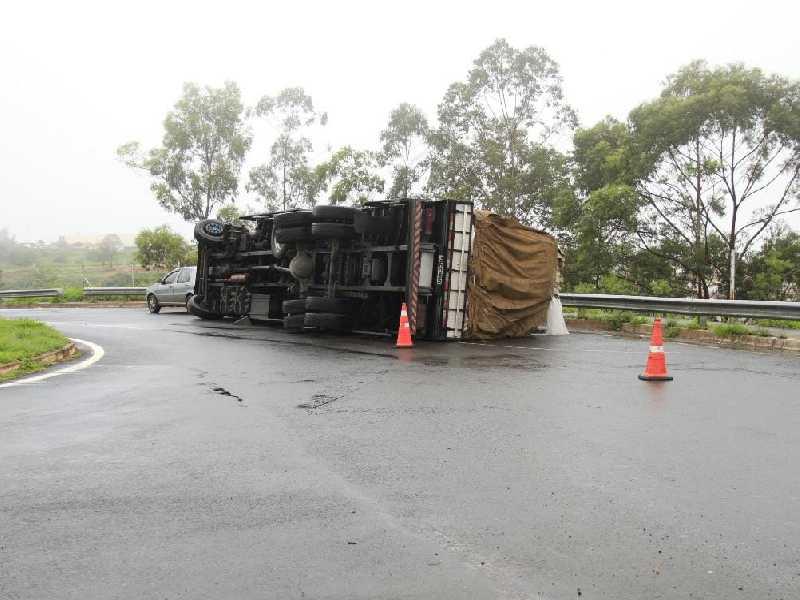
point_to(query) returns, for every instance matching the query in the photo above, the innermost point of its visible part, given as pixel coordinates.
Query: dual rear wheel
(322, 314)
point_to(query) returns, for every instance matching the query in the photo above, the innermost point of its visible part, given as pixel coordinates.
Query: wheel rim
(189, 297)
(151, 303)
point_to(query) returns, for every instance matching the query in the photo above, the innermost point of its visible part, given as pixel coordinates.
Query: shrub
(730, 330)
(73, 294)
(778, 323)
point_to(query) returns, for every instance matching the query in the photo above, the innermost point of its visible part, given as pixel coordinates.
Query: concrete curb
(695, 336)
(48, 358)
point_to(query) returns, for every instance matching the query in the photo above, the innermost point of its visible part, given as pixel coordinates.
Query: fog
(79, 79)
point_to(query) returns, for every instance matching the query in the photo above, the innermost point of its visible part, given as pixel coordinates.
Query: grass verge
(25, 339)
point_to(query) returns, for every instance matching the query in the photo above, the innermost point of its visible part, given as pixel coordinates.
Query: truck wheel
(285, 235)
(329, 213)
(370, 225)
(209, 231)
(294, 307)
(152, 304)
(292, 219)
(329, 321)
(198, 309)
(339, 231)
(278, 249)
(339, 306)
(294, 323)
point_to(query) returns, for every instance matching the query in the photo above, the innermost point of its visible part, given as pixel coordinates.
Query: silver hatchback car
(174, 289)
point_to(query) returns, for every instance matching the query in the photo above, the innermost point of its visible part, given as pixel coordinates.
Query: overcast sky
(79, 79)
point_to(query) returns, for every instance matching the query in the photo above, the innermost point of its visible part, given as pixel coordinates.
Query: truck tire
(339, 231)
(328, 321)
(369, 225)
(294, 307)
(294, 323)
(286, 235)
(326, 213)
(198, 309)
(292, 219)
(338, 306)
(278, 249)
(209, 231)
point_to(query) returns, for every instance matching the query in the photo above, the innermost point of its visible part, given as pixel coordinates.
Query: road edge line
(97, 353)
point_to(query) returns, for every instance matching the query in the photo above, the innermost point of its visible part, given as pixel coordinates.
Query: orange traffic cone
(404, 333)
(656, 369)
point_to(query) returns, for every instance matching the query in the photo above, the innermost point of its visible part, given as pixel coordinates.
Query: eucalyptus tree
(282, 181)
(496, 129)
(351, 176)
(205, 141)
(719, 155)
(404, 149)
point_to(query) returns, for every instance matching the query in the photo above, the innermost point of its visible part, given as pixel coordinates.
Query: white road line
(97, 354)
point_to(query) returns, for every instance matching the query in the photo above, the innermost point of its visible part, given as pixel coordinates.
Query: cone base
(645, 377)
(409, 345)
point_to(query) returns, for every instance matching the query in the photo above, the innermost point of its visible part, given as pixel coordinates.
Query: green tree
(598, 222)
(108, 248)
(720, 155)
(286, 180)
(351, 176)
(773, 272)
(495, 129)
(161, 248)
(404, 148)
(229, 214)
(197, 166)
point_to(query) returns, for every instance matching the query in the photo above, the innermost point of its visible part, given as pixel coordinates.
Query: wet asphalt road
(206, 460)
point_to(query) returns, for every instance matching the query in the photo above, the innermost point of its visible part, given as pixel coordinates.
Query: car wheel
(292, 219)
(209, 231)
(294, 323)
(294, 307)
(328, 321)
(339, 231)
(152, 304)
(339, 306)
(188, 297)
(328, 213)
(285, 235)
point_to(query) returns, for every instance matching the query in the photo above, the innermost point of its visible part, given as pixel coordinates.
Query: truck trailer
(461, 272)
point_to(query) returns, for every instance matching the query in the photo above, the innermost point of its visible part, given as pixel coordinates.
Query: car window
(184, 276)
(171, 277)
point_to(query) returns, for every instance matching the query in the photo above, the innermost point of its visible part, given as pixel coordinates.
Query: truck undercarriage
(340, 268)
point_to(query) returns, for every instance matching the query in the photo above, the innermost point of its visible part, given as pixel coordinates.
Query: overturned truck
(462, 273)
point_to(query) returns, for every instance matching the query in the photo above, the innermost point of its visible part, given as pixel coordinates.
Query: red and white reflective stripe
(657, 349)
(403, 313)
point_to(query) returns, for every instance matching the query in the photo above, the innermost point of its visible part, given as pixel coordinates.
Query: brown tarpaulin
(512, 272)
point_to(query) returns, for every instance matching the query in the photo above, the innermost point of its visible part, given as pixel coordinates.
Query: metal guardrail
(40, 293)
(114, 291)
(88, 291)
(683, 306)
(686, 306)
